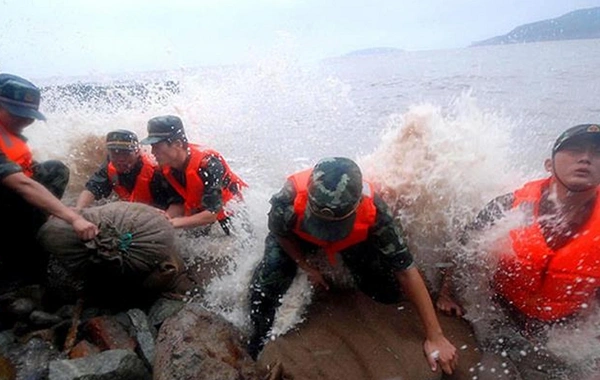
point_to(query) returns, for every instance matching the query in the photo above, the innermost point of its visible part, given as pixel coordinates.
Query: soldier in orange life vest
(553, 271)
(201, 176)
(130, 173)
(330, 210)
(29, 191)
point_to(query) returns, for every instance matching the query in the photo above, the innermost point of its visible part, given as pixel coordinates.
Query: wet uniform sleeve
(281, 217)
(388, 238)
(99, 183)
(163, 193)
(487, 217)
(211, 174)
(7, 166)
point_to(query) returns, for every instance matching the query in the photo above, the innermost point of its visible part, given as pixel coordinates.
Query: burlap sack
(135, 247)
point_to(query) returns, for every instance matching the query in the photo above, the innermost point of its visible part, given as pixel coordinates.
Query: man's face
(577, 163)
(124, 160)
(14, 123)
(166, 153)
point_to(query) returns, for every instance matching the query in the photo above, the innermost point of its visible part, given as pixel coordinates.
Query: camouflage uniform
(24, 220)
(170, 128)
(21, 98)
(373, 263)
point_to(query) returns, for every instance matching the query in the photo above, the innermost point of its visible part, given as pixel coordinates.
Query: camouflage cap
(161, 128)
(588, 130)
(20, 97)
(122, 139)
(335, 189)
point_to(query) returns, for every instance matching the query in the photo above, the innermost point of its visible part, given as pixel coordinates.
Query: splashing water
(435, 164)
(436, 168)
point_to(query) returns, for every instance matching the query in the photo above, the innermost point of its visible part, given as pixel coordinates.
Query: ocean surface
(442, 131)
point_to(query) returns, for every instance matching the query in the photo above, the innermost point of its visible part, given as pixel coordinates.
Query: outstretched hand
(441, 351)
(85, 229)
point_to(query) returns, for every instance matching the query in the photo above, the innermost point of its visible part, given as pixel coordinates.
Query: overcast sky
(41, 38)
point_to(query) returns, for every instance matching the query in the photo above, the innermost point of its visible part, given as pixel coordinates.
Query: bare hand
(316, 278)
(446, 304)
(163, 213)
(441, 351)
(85, 229)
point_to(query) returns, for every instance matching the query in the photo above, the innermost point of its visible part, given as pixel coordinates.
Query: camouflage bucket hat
(334, 192)
(161, 128)
(122, 139)
(20, 97)
(591, 131)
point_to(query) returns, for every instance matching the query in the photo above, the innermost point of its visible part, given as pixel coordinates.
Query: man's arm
(98, 186)
(85, 199)
(200, 219)
(487, 217)
(436, 347)
(37, 195)
(212, 197)
(291, 248)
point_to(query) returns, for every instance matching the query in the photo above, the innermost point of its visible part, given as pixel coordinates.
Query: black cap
(167, 127)
(335, 188)
(20, 97)
(589, 130)
(122, 139)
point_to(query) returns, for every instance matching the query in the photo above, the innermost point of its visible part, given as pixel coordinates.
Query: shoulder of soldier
(285, 195)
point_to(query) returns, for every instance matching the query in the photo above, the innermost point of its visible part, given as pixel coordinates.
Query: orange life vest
(542, 283)
(366, 215)
(16, 150)
(194, 185)
(141, 190)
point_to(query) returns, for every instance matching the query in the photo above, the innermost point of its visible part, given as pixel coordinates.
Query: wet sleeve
(487, 217)
(211, 174)
(281, 217)
(163, 193)
(7, 166)
(99, 184)
(388, 238)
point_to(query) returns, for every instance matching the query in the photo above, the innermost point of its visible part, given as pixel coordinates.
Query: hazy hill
(579, 24)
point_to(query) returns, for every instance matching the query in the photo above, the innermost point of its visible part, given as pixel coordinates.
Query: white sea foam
(438, 154)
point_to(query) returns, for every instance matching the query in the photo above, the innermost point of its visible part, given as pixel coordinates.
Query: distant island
(576, 25)
(372, 51)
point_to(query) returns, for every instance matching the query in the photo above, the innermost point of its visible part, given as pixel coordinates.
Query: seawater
(442, 132)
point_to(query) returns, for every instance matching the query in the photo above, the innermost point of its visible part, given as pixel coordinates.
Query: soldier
(201, 176)
(29, 191)
(551, 273)
(330, 210)
(130, 173)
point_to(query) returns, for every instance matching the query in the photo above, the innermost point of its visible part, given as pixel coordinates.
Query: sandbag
(135, 246)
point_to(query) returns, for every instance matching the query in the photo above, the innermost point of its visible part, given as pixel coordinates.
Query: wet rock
(47, 335)
(66, 311)
(22, 307)
(162, 309)
(7, 369)
(92, 312)
(7, 342)
(144, 334)
(107, 365)
(197, 344)
(43, 319)
(348, 336)
(106, 333)
(31, 359)
(83, 349)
